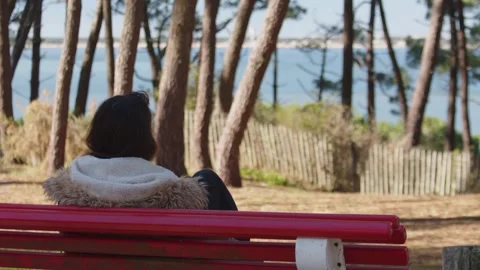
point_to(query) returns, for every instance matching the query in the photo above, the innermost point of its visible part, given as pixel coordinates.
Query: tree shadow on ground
(449, 219)
(427, 230)
(425, 258)
(419, 223)
(19, 183)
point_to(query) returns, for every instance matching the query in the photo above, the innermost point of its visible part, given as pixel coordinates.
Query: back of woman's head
(121, 127)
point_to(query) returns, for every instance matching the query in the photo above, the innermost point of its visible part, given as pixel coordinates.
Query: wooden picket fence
(391, 170)
(307, 158)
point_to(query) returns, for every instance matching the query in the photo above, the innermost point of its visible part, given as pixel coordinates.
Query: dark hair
(122, 127)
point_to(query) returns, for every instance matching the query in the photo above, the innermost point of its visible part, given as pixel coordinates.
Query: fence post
(461, 258)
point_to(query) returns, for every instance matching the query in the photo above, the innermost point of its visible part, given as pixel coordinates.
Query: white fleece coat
(123, 182)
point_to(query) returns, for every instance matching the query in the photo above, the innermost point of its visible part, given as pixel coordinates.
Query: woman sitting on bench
(118, 171)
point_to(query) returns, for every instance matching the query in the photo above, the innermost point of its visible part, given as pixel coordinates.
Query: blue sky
(405, 17)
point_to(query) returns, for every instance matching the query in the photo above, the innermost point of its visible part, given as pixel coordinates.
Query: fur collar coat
(123, 182)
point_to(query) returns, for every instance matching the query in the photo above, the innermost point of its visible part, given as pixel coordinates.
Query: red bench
(167, 239)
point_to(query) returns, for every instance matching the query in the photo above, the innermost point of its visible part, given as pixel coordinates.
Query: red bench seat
(181, 239)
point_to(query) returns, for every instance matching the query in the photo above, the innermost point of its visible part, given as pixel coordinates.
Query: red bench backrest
(148, 236)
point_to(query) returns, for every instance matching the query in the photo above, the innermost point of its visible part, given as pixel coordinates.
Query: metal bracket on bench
(319, 254)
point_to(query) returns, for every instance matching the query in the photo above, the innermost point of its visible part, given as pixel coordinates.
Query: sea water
(296, 84)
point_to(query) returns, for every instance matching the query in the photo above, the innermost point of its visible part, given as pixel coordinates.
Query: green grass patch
(271, 178)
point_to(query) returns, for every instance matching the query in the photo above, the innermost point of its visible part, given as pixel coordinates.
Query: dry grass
(432, 222)
(27, 142)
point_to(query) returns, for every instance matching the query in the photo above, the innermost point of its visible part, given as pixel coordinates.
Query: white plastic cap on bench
(319, 254)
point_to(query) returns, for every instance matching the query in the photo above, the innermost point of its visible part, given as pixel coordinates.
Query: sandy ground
(432, 222)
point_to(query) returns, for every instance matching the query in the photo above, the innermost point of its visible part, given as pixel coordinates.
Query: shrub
(350, 140)
(27, 141)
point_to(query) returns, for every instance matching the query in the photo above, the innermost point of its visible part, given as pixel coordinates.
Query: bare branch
(20, 94)
(278, 85)
(355, 9)
(47, 78)
(384, 92)
(307, 92)
(160, 28)
(224, 24)
(138, 76)
(307, 71)
(332, 73)
(309, 56)
(195, 56)
(333, 57)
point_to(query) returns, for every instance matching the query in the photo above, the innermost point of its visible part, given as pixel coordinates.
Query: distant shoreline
(378, 44)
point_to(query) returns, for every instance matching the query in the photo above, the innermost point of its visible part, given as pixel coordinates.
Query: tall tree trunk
(321, 80)
(232, 56)
(204, 106)
(427, 69)
(371, 66)
(452, 92)
(125, 65)
(23, 16)
(36, 57)
(66, 16)
(88, 56)
(199, 55)
(347, 79)
(464, 66)
(31, 10)
(347, 57)
(172, 93)
(242, 108)
(58, 134)
(402, 98)
(109, 51)
(11, 7)
(154, 63)
(6, 108)
(161, 27)
(275, 78)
